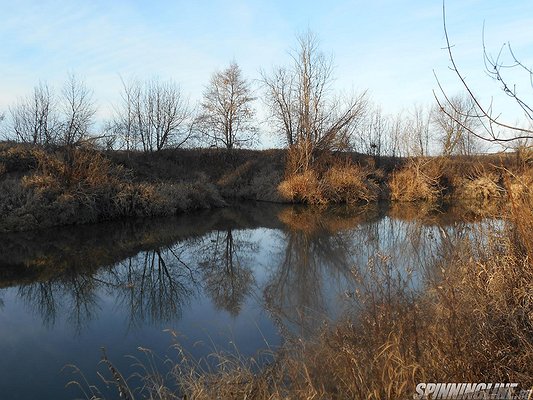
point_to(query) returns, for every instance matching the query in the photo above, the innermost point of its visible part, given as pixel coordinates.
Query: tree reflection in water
(316, 256)
(72, 294)
(153, 286)
(152, 275)
(225, 257)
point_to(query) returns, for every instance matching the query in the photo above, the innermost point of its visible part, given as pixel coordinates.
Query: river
(247, 277)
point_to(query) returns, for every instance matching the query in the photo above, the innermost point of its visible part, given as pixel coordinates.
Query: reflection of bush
(314, 220)
(446, 214)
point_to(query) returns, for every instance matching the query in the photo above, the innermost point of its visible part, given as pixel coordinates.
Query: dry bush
(80, 169)
(302, 187)
(481, 183)
(76, 186)
(18, 157)
(520, 184)
(349, 184)
(299, 159)
(480, 188)
(524, 157)
(419, 180)
(337, 183)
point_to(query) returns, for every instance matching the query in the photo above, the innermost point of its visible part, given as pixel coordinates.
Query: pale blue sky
(389, 47)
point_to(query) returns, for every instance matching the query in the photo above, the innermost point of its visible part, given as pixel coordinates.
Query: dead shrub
(520, 185)
(18, 157)
(481, 188)
(300, 158)
(419, 180)
(481, 183)
(302, 187)
(346, 183)
(349, 184)
(80, 168)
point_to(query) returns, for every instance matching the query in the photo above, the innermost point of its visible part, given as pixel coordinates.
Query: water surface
(248, 277)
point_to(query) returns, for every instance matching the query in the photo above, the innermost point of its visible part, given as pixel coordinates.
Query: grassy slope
(42, 188)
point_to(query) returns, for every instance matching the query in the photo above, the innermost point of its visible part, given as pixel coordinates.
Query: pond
(246, 277)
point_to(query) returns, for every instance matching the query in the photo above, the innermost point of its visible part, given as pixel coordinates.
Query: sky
(393, 49)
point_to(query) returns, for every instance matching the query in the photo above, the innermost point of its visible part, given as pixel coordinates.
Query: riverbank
(41, 188)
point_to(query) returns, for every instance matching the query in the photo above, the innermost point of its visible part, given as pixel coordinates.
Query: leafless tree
(419, 130)
(227, 118)
(492, 126)
(34, 119)
(303, 107)
(456, 126)
(78, 110)
(373, 132)
(153, 115)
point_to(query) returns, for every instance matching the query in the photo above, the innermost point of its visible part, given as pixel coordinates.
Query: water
(246, 277)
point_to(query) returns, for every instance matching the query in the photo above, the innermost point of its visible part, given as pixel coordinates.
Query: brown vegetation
(45, 187)
(419, 180)
(327, 180)
(82, 186)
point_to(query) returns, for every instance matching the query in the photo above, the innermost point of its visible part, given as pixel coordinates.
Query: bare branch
(490, 123)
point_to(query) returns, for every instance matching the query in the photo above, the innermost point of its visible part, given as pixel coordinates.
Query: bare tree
(303, 107)
(420, 130)
(153, 115)
(227, 117)
(372, 135)
(78, 111)
(34, 119)
(456, 126)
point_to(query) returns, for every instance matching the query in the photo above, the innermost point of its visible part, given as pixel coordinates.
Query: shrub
(419, 180)
(302, 187)
(479, 188)
(349, 184)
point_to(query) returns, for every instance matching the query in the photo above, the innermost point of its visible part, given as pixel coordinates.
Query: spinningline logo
(452, 391)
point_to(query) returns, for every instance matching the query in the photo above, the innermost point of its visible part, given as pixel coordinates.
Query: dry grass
(349, 184)
(418, 180)
(338, 184)
(83, 186)
(303, 187)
